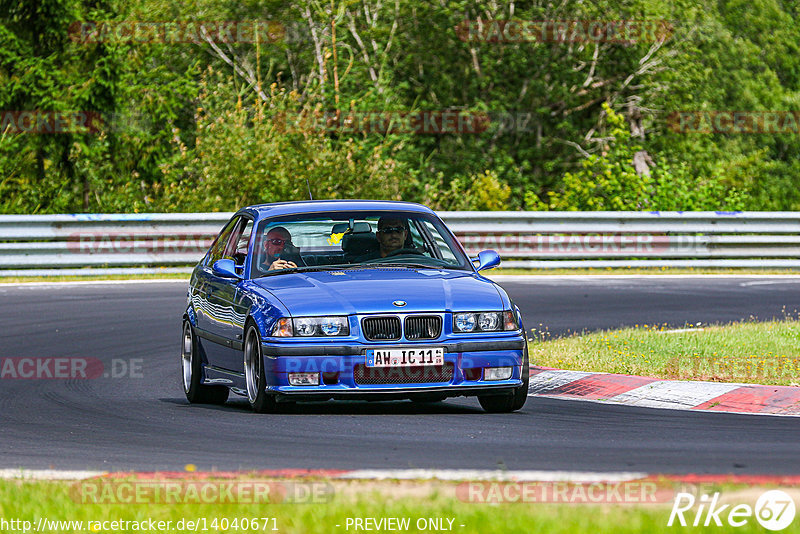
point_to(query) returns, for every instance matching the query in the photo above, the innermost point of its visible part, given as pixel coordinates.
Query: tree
(611, 181)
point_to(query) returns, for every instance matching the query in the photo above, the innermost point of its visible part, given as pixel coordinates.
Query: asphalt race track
(142, 420)
(570, 304)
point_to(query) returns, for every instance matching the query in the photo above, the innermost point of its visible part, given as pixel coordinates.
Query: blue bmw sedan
(369, 300)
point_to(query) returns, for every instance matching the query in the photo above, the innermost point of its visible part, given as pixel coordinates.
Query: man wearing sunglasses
(391, 235)
(280, 252)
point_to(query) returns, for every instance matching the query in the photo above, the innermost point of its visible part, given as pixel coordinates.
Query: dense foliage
(200, 124)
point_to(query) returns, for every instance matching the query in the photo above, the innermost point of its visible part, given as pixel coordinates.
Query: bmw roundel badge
(399, 303)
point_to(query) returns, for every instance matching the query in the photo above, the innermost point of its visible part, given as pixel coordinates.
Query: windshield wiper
(400, 264)
(311, 268)
(327, 267)
(318, 268)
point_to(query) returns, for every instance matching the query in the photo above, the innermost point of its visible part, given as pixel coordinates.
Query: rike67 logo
(774, 510)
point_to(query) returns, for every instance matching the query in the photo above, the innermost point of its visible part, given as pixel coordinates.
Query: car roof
(261, 211)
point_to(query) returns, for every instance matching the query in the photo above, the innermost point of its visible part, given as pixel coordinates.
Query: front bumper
(341, 369)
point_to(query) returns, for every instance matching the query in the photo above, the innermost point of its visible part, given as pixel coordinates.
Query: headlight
(484, 322)
(311, 326)
(334, 326)
(489, 322)
(305, 326)
(464, 322)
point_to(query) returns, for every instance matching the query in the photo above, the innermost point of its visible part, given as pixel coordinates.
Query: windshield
(351, 240)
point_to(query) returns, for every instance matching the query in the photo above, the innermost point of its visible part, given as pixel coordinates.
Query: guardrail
(141, 243)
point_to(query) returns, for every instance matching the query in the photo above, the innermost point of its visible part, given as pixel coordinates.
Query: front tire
(517, 399)
(196, 392)
(428, 398)
(255, 376)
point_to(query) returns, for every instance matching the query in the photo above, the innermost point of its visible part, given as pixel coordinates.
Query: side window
(440, 244)
(240, 252)
(220, 246)
(417, 240)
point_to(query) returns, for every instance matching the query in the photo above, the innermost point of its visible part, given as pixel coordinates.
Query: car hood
(374, 291)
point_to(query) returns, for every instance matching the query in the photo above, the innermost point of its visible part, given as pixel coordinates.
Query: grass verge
(750, 352)
(435, 507)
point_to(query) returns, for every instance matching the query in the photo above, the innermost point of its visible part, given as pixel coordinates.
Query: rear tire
(517, 399)
(255, 376)
(196, 392)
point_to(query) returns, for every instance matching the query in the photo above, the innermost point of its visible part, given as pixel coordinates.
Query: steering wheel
(405, 251)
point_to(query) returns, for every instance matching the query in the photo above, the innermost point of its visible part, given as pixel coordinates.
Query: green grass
(750, 352)
(415, 500)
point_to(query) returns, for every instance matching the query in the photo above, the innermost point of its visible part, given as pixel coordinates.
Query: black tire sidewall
(521, 393)
(198, 392)
(519, 396)
(192, 394)
(264, 402)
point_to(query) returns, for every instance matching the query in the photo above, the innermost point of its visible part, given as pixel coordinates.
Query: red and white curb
(671, 394)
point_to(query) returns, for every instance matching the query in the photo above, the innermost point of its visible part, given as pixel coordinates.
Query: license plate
(405, 357)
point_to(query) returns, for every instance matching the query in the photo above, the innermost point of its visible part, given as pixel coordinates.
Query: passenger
(280, 253)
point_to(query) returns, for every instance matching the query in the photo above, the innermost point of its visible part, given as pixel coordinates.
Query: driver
(280, 253)
(392, 233)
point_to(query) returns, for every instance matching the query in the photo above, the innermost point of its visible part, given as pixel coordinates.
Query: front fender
(263, 322)
(265, 309)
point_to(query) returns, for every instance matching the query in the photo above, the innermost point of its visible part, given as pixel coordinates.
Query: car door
(205, 300)
(226, 298)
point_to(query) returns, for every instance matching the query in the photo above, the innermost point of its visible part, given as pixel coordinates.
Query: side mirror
(487, 259)
(225, 268)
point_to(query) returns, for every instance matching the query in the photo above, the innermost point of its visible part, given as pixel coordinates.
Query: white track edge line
(94, 282)
(385, 474)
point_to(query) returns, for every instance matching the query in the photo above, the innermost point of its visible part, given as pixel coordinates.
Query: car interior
(352, 241)
(358, 242)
